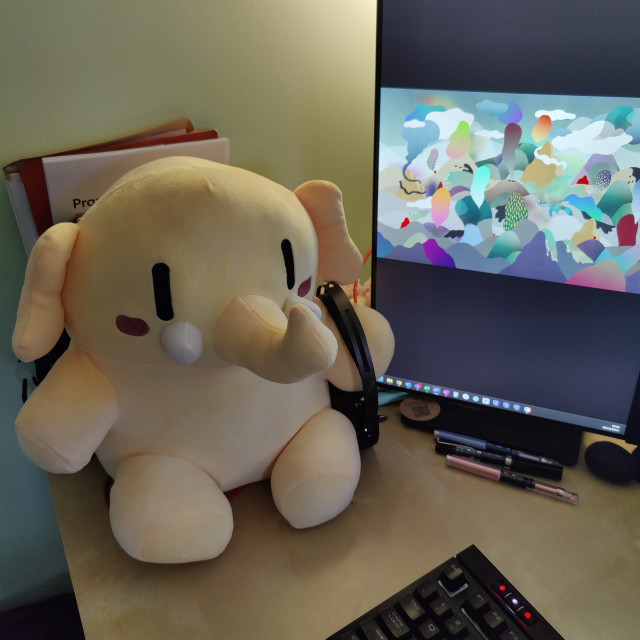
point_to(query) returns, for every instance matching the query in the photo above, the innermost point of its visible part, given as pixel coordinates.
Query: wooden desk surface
(578, 565)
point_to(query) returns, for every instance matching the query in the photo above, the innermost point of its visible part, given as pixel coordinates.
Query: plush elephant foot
(168, 510)
(315, 476)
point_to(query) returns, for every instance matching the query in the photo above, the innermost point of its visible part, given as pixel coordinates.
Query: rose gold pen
(499, 475)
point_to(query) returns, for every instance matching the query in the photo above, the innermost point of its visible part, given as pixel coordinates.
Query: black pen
(552, 471)
(483, 445)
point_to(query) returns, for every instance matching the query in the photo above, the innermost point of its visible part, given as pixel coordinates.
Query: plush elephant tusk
(183, 342)
(310, 304)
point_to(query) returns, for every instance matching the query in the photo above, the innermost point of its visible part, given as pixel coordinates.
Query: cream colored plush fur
(228, 390)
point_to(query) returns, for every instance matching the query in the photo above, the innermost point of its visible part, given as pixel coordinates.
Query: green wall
(290, 82)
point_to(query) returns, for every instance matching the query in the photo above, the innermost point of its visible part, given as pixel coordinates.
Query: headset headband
(360, 407)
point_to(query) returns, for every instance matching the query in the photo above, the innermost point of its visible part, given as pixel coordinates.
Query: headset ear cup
(360, 407)
(352, 405)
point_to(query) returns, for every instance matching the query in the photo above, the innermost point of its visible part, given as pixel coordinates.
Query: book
(59, 187)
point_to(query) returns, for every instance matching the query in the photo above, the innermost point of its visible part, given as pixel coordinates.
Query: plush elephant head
(195, 262)
(198, 358)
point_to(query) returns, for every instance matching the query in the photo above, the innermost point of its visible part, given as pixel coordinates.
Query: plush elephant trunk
(254, 333)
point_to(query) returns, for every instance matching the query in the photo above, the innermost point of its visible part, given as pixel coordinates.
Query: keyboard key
(411, 608)
(493, 623)
(453, 578)
(511, 634)
(395, 626)
(457, 628)
(427, 592)
(350, 635)
(502, 589)
(429, 630)
(372, 631)
(440, 608)
(526, 616)
(476, 603)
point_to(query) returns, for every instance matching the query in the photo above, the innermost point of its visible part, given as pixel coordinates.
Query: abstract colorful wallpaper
(534, 186)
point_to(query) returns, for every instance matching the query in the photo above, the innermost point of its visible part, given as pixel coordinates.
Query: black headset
(361, 407)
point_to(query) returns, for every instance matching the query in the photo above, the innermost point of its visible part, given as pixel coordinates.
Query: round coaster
(419, 413)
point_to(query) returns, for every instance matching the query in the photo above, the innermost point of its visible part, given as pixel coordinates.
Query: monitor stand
(526, 433)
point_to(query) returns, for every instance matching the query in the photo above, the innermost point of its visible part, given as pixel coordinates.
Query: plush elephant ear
(40, 320)
(338, 257)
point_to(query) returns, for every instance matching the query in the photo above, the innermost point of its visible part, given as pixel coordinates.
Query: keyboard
(465, 598)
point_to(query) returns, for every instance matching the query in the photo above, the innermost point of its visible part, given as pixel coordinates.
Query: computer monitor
(506, 207)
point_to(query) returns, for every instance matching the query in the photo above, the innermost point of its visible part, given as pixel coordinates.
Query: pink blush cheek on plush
(132, 326)
(304, 288)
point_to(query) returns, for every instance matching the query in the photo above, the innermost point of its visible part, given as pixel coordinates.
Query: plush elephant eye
(162, 291)
(287, 253)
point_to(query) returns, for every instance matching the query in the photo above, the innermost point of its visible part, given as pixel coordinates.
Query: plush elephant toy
(199, 357)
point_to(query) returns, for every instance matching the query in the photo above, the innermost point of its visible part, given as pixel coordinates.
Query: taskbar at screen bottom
(605, 427)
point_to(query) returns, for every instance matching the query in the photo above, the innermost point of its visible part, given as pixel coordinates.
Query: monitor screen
(506, 252)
